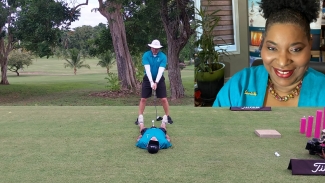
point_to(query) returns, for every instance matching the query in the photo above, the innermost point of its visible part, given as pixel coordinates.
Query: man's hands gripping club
(159, 75)
(153, 85)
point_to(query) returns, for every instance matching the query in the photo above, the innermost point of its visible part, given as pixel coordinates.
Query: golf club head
(159, 118)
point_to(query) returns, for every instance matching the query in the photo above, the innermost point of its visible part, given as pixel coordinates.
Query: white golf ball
(153, 121)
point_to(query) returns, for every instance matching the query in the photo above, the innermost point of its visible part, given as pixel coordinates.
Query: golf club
(154, 100)
(158, 118)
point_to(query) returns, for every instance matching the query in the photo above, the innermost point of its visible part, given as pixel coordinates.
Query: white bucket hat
(155, 44)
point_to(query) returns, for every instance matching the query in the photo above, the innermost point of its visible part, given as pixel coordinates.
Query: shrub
(139, 69)
(18, 59)
(113, 83)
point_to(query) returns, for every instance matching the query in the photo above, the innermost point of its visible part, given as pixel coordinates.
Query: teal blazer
(248, 87)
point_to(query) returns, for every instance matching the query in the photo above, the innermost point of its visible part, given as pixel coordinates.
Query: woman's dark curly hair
(299, 12)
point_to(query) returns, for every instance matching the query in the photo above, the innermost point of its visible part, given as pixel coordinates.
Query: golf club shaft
(154, 99)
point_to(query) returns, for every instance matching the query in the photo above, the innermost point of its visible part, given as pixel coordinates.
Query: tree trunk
(178, 30)
(4, 62)
(174, 72)
(4, 79)
(125, 67)
(4, 52)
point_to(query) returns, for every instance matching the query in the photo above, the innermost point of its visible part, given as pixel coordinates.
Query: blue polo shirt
(153, 132)
(155, 62)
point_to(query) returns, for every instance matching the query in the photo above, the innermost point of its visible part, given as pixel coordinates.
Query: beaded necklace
(292, 94)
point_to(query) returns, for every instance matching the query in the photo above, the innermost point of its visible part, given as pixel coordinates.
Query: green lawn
(97, 144)
(51, 130)
(48, 83)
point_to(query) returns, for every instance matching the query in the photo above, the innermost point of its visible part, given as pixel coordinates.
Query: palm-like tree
(106, 60)
(75, 62)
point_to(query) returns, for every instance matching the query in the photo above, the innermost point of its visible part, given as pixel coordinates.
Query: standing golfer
(154, 62)
(153, 138)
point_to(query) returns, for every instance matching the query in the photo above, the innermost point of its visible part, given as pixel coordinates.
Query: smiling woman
(286, 57)
(285, 78)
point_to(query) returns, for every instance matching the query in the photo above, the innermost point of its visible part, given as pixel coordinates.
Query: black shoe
(170, 121)
(159, 118)
(136, 122)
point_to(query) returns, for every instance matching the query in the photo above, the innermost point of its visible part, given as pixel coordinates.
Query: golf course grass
(47, 83)
(97, 144)
(53, 130)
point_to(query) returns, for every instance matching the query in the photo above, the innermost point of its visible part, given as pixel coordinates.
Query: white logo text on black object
(320, 167)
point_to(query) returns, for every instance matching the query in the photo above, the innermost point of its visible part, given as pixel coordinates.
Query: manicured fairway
(48, 83)
(97, 144)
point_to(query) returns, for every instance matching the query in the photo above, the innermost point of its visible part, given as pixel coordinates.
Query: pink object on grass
(324, 120)
(310, 126)
(318, 124)
(303, 125)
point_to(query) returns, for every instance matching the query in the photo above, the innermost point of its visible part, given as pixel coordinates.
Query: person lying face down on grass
(153, 138)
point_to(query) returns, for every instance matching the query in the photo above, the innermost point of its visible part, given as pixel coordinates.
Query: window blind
(224, 32)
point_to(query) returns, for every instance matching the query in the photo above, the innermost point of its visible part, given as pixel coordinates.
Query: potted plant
(209, 71)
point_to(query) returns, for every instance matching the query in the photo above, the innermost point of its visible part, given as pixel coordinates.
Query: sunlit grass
(47, 82)
(97, 144)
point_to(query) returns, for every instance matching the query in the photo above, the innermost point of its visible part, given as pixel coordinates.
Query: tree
(106, 60)
(75, 62)
(80, 37)
(101, 43)
(141, 29)
(176, 16)
(111, 10)
(36, 23)
(188, 51)
(6, 39)
(18, 59)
